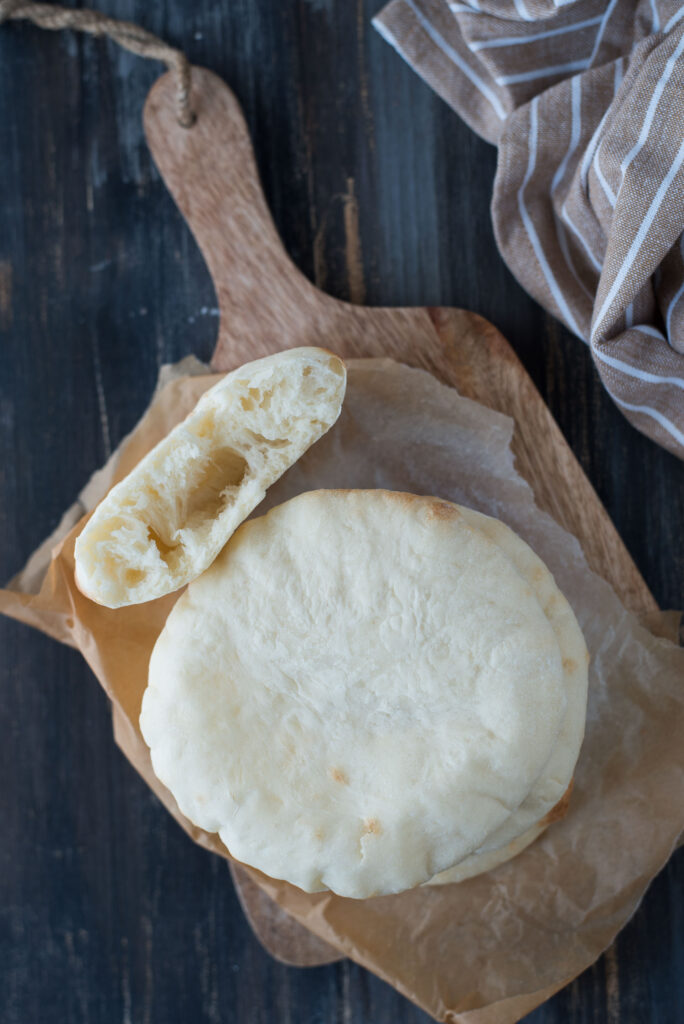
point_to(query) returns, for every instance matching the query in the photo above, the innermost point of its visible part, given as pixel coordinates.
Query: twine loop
(128, 35)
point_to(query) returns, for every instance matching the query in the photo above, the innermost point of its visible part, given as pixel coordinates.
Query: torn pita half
(166, 522)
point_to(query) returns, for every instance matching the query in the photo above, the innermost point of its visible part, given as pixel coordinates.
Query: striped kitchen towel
(585, 100)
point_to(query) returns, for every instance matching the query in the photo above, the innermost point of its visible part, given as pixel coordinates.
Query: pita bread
(356, 695)
(168, 519)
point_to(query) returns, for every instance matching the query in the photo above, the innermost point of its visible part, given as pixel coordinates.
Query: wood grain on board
(266, 304)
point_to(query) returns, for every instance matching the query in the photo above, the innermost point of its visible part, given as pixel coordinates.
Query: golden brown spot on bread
(550, 604)
(371, 825)
(441, 510)
(561, 808)
(319, 835)
(339, 776)
(538, 574)
(569, 664)
(399, 496)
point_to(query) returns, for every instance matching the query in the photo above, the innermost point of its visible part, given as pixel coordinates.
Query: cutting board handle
(211, 173)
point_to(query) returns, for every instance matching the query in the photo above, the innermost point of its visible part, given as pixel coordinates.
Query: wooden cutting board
(266, 304)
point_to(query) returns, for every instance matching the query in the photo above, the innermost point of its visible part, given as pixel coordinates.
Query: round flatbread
(168, 519)
(356, 694)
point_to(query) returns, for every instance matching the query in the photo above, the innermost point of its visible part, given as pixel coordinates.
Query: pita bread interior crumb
(166, 522)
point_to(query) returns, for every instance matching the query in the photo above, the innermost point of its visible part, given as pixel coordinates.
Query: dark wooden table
(107, 911)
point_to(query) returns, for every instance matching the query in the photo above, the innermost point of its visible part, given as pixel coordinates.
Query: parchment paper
(489, 950)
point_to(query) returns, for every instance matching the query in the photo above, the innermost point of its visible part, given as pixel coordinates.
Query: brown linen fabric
(585, 100)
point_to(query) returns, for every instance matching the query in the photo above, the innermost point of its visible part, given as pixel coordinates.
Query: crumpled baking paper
(488, 950)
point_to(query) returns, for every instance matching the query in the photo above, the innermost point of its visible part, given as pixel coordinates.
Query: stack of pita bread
(360, 691)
